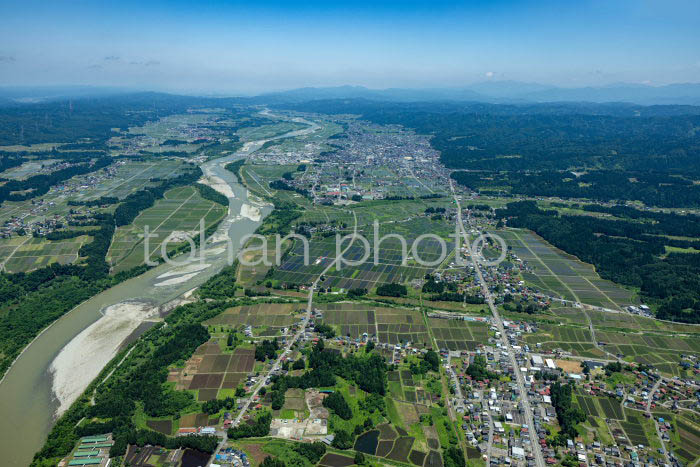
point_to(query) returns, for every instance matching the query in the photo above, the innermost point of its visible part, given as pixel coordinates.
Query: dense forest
(235, 168)
(625, 250)
(68, 121)
(651, 188)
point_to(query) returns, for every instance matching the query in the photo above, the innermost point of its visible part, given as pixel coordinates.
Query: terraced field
(563, 275)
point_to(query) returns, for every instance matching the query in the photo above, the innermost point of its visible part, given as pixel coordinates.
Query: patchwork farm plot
(388, 267)
(660, 351)
(689, 439)
(452, 334)
(390, 325)
(351, 319)
(210, 371)
(574, 339)
(179, 211)
(394, 444)
(131, 176)
(563, 275)
(397, 325)
(629, 322)
(21, 254)
(266, 319)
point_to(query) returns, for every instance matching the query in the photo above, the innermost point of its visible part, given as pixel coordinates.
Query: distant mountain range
(501, 92)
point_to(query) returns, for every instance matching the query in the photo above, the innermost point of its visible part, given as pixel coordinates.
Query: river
(44, 379)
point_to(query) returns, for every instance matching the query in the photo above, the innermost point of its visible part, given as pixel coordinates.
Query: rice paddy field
(562, 275)
(271, 317)
(688, 445)
(574, 339)
(22, 254)
(132, 176)
(179, 211)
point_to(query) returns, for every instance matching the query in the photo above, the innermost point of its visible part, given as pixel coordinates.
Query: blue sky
(234, 47)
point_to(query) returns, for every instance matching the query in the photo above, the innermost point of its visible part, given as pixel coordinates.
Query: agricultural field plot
(123, 178)
(394, 442)
(397, 325)
(179, 211)
(574, 339)
(335, 460)
(588, 405)
(131, 176)
(26, 170)
(689, 437)
(210, 371)
(22, 254)
(634, 428)
(391, 183)
(571, 315)
(602, 320)
(660, 351)
(350, 319)
(457, 334)
(173, 126)
(563, 275)
(273, 317)
(390, 325)
(611, 408)
(269, 131)
(560, 333)
(388, 267)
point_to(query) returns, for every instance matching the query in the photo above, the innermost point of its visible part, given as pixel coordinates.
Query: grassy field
(179, 211)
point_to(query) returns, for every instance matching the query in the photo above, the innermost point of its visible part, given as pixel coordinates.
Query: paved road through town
(535, 446)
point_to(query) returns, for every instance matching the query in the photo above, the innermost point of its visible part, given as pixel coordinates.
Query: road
(656, 423)
(285, 351)
(534, 441)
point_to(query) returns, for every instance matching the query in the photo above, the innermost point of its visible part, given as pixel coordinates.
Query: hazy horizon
(234, 48)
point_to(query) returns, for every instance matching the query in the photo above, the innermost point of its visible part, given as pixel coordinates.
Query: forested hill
(543, 136)
(91, 117)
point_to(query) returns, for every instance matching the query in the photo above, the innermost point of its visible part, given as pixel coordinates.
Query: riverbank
(79, 362)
